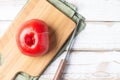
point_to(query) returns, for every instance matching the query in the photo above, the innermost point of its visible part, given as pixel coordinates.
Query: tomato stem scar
(29, 39)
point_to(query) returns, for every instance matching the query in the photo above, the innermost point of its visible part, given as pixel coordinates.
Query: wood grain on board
(60, 28)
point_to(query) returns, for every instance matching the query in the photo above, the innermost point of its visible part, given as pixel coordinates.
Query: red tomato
(32, 38)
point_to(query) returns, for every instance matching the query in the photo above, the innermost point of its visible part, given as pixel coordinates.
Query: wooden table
(96, 52)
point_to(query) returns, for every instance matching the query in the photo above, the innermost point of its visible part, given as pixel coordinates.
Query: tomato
(32, 37)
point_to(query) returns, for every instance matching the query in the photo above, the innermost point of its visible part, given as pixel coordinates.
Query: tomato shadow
(52, 39)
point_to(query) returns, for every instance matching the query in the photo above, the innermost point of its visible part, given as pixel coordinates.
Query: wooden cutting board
(60, 28)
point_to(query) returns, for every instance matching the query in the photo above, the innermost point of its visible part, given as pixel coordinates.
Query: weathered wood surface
(93, 10)
(96, 46)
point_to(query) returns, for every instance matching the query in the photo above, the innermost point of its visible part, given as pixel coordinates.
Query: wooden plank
(88, 62)
(99, 36)
(12, 2)
(92, 10)
(12, 7)
(98, 10)
(12, 10)
(82, 76)
(59, 33)
(102, 64)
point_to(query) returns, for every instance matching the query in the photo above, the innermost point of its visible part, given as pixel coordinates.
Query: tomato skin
(32, 38)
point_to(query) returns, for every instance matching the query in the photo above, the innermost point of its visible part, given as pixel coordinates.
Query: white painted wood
(98, 10)
(88, 62)
(10, 8)
(97, 65)
(12, 2)
(9, 12)
(99, 36)
(92, 10)
(96, 36)
(83, 77)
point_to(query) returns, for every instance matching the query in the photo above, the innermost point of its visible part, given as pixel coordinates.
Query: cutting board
(60, 28)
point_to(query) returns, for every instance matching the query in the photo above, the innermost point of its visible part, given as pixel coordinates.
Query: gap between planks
(95, 50)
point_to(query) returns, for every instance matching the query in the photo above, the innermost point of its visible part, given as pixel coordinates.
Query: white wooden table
(96, 52)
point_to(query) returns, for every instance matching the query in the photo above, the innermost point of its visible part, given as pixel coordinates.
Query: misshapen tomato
(32, 38)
